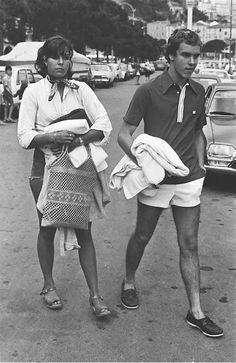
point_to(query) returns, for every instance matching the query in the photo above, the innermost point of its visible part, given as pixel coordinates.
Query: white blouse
(36, 111)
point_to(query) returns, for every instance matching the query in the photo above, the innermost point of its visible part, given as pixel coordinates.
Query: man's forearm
(200, 145)
(125, 143)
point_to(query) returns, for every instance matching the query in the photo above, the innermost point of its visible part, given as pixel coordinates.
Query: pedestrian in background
(52, 97)
(172, 108)
(7, 94)
(1, 108)
(147, 73)
(20, 92)
(138, 74)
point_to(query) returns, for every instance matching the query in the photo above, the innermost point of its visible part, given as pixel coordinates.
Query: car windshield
(217, 72)
(99, 68)
(224, 103)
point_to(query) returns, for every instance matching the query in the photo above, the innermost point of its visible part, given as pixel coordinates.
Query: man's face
(185, 60)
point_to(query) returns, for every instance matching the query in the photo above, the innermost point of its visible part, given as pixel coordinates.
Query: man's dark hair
(8, 68)
(181, 36)
(53, 47)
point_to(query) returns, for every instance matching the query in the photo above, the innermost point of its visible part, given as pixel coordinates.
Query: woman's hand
(56, 149)
(73, 144)
(62, 137)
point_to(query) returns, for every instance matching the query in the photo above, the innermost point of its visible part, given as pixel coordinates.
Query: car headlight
(221, 154)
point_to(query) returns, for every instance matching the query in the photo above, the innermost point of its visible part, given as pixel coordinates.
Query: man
(7, 95)
(172, 108)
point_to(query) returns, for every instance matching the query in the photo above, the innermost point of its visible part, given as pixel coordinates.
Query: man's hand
(203, 168)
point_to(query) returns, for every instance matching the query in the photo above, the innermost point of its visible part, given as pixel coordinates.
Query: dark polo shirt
(156, 102)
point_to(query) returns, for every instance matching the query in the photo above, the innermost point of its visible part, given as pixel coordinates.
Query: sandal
(99, 307)
(55, 304)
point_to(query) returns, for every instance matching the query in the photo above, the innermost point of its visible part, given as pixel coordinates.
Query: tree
(100, 24)
(213, 46)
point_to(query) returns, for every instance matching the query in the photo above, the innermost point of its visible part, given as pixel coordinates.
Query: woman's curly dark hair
(54, 47)
(181, 36)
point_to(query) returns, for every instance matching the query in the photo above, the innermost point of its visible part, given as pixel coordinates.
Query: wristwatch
(81, 141)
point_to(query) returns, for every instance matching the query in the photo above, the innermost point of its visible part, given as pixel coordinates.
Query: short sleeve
(137, 106)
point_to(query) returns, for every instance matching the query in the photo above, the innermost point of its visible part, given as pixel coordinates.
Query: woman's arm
(56, 138)
(28, 136)
(90, 136)
(101, 125)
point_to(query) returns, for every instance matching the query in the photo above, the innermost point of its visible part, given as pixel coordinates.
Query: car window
(99, 68)
(224, 102)
(30, 76)
(21, 76)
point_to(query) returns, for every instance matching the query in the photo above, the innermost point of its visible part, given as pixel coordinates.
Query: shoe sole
(208, 335)
(129, 307)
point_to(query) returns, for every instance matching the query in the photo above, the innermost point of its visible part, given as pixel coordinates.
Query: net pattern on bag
(69, 193)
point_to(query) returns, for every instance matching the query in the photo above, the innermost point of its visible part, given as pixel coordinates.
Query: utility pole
(230, 36)
(1, 28)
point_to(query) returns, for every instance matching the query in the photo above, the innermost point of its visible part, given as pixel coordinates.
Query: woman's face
(58, 68)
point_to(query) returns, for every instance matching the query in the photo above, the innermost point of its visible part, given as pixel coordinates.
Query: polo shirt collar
(167, 82)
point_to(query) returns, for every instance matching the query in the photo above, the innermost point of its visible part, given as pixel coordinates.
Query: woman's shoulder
(34, 90)
(36, 85)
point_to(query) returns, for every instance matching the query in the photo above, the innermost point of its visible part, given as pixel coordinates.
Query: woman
(43, 102)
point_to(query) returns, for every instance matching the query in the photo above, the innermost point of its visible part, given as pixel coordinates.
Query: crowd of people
(47, 125)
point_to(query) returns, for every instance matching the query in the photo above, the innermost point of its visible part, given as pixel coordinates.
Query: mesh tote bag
(69, 193)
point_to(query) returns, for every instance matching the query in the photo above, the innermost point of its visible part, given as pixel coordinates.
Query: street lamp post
(131, 8)
(1, 28)
(189, 5)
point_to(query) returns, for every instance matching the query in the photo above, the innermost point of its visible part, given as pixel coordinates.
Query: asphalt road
(156, 331)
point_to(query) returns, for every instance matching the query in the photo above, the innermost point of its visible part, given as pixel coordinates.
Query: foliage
(100, 24)
(150, 10)
(215, 45)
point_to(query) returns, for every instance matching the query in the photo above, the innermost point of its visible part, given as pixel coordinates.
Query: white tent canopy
(26, 53)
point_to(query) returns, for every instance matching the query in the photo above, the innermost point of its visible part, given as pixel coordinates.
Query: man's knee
(188, 243)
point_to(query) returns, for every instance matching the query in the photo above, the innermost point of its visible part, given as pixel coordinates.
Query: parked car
(221, 73)
(37, 76)
(206, 79)
(123, 72)
(102, 74)
(115, 69)
(220, 130)
(132, 70)
(160, 64)
(85, 75)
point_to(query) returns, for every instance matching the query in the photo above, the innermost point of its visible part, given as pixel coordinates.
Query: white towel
(154, 157)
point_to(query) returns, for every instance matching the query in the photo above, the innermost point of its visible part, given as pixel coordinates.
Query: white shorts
(182, 195)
